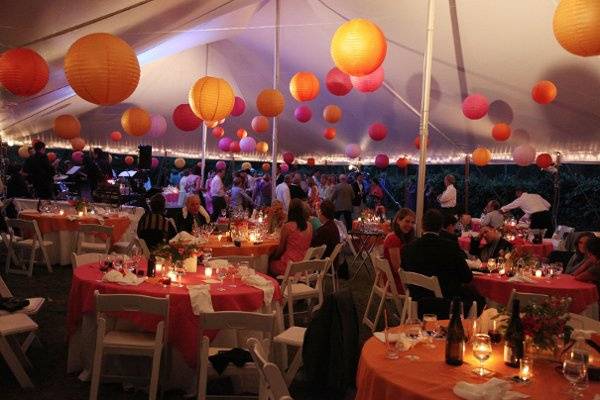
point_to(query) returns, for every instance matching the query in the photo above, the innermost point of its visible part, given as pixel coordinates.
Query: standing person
(447, 199)
(262, 195)
(329, 188)
(342, 199)
(403, 232)
(313, 194)
(39, 171)
(217, 194)
(238, 195)
(282, 193)
(359, 195)
(534, 206)
(296, 191)
(193, 183)
(376, 193)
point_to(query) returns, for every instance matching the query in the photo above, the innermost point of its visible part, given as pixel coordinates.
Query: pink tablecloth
(183, 324)
(498, 289)
(542, 250)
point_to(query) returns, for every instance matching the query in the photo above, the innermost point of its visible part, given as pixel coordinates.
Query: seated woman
(494, 244)
(403, 232)
(294, 241)
(580, 255)
(193, 215)
(589, 271)
(327, 234)
(154, 228)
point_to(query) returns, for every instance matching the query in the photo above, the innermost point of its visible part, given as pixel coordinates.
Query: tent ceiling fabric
(498, 49)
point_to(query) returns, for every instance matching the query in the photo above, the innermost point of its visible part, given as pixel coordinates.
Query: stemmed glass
(221, 274)
(431, 326)
(576, 373)
(482, 349)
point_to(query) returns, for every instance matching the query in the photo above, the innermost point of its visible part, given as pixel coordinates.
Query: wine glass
(491, 264)
(431, 326)
(206, 254)
(482, 349)
(391, 345)
(413, 328)
(221, 273)
(576, 373)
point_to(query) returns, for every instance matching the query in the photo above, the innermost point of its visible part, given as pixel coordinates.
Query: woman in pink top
(295, 239)
(403, 227)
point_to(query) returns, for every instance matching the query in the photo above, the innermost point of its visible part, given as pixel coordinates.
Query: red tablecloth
(542, 250)
(183, 324)
(498, 289)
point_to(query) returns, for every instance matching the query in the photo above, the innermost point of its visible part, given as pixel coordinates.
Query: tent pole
(275, 141)
(467, 177)
(204, 127)
(406, 186)
(556, 199)
(424, 125)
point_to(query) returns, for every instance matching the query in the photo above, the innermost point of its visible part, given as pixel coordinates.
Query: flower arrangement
(545, 322)
(80, 205)
(178, 251)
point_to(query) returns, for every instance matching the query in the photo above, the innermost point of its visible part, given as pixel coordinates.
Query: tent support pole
(275, 141)
(556, 199)
(424, 125)
(406, 186)
(467, 178)
(203, 165)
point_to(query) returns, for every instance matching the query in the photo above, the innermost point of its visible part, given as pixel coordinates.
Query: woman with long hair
(403, 232)
(580, 255)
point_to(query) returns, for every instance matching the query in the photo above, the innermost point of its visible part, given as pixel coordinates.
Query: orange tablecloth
(55, 222)
(431, 378)
(542, 250)
(227, 248)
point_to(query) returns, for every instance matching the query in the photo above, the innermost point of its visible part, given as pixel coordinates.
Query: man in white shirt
(217, 194)
(282, 193)
(536, 207)
(447, 199)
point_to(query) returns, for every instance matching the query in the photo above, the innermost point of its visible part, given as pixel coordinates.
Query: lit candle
(538, 273)
(208, 272)
(61, 212)
(359, 219)
(260, 220)
(219, 237)
(494, 325)
(173, 276)
(80, 213)
(526, 369)
(253, 237)
(502, 271)
(158, 268)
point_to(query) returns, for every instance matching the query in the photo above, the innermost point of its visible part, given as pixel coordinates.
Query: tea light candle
(208, 272)
(61, 212)
(219, 237)
(359, 219)
(80, 213)
(538, 273)
(260, 220)
(526, 369)
(158, 268)
(502, 271)
(172, 275)
(253, 237)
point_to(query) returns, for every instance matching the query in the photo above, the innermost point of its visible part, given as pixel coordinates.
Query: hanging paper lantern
(218, 132)
(211, 98)
(239, 106)
(51, 156)
(481, 156)
(352, 150)
(338, 82)
(220, 165)
(77, 157)
(544, 160)
(23, 72)
(288, 157)
(402, 162)
(378, 131)
(221, 121)
(155, 162)
(262, 147)
(303, 114)
(23, 151)
(266, 167)
(102, 69)
(185, 119)
(224, 143)
(310, 162)
(368, 83)
(241, 133)
(234, 147)
(248, 144)
(67, 126)
(77, 144)
(135, 121)
(116, 136)
(358, 47)
(417, 142)
(544, 92)
(270, 102)
(260, 123)
(382, 161)
(475, 106)
(246, 166)
(501, 132)
(211, 124)
(129, 160)
(329, 133)
(284, 168)
(576, 26)
(332, 113)
(158, 126)
(523, 155)
(304, 86)
(179, 163)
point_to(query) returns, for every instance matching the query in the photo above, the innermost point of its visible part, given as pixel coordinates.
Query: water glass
(391, 345)
(413, 328)
(576, 373)
(431, 326)
(221, 274)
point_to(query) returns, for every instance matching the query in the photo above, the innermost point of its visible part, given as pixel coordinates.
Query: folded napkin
(200, 299)
(183, 236)
(494, 389)
(217, 264)
(404, 343)
(115, 276)
(474, 264)
(484, 322)
(261, 283)
(521, 278)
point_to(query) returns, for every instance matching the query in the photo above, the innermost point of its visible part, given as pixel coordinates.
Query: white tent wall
(499, 49)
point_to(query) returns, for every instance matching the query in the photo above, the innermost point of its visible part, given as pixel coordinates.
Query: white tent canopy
(497, 48)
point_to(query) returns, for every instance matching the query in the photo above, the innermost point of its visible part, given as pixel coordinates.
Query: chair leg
(366, 319)
(96, 371)
(294, 367)
(31, 261)
(14, 364)
(154, 376)
(28, 342)
(46, 259)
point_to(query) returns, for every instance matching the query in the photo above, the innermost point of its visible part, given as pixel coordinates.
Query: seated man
(492, 215)
(192, 215)
(494, 244)
(448, 231)
(154, 228)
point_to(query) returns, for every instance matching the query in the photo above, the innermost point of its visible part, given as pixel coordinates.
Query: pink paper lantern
(378, 131)
(239, 106)
(234, 147)
(129, 160)
(185, 119)
(218, 132)
(368, 83)
(524, 155)
(475, 106)
(338, 82)
(224, 143)
(284, 168)
(288, 157)
(116, 136)
(158, 126)
(352, 150)
(248, 144)
(260, 123)
(154, 163)
(303, 113)
(220, 165)
(77, 157)
(382, 161)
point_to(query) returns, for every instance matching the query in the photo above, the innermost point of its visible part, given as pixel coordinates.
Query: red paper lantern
(544, 160)
(402, 162)
(129, 160)
(310, 161)
(52, 156)
(329, 133)
(23, 72)
(378, 131)
(78, 144)
(239, 106)
(288, 157)
(155, 163)
(501, 132)
(303, 114)
(234, 147)
(241, 133)
(218, 132)
(116, 136)
(544, 92)
(304, 86)
(382, 161)
(185, 119)
(475, 106)
(338, 82)
(368, 83)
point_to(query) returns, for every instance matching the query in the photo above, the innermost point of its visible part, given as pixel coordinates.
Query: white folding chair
(127, 247)
(33, 243)
(233, 260)
(525, 298)
(430, 283)
(276, 387)
(78, 260)
(385, 287)
(577, 321)
(94, 231)
(241, 322)
(10, 349)
(331, 268)
(110, 340)
(314, 253)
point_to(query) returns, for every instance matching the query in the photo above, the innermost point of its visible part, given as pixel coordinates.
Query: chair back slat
(95, 228)
(78, 260)
(106, 303)
(526, 298)
(426, 282)
(305, 266)
(314, 253)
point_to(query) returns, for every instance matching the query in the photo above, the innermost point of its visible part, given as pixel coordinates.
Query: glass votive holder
(80, 213)
(61, 212)
(208, 272)
(538, 273)
(526, 369)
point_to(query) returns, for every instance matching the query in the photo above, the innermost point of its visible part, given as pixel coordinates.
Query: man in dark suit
(448, 230)
(40, 172)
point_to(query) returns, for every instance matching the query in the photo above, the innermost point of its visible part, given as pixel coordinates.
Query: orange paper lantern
(576, 26)
(402, 162)
(260, 123)
(481, 156)
(211, 124)
(310, 161)
(262, 147)
(179, 163)
(102, 69)
(329, 133)
(544, 160)
(266, 167)
(332, 113)
(135, 121)
(358, 47)
(23, 72)
(241, 133)
(501, 132)
(544, 92)
(270, 102)
(78, 144)
(211, 98)
(67, 126)
(304, 86)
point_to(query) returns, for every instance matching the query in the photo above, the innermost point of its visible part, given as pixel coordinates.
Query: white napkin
(474, 264)
(200, 299)
(115, 276)
(520, 278)
(597, 397)
(405, 343)
(217, 264)
(260, 283)
(583, 333)
(183, 236)
(494, 389)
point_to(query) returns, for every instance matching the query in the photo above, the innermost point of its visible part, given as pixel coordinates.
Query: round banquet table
(542, 250)
(382, 226)
(498, 288)
(61, 230)
(260, 251)
(430, 377)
